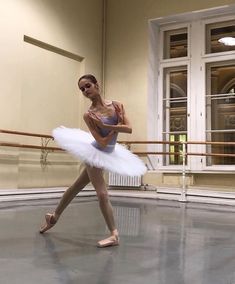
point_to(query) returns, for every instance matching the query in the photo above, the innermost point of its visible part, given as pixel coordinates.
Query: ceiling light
(227, 41)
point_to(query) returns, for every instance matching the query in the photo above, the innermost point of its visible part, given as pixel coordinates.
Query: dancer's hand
(91, 120)
(120, 113)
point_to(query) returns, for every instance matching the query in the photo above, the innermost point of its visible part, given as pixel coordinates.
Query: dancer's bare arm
(93, 127)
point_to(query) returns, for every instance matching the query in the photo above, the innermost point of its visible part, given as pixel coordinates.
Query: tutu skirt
(79, 144)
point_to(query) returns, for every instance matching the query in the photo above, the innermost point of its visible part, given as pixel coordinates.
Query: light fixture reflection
(227, 41)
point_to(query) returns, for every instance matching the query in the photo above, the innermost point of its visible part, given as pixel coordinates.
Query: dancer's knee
(103, 196)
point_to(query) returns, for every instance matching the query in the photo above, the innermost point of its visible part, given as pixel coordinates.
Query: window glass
(175, 43)
(175, 111)
(220, 37)
(220, 107)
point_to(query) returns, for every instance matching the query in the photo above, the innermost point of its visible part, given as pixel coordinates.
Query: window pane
(175, 43)
(221, 111)
(175, 111)
(216, 31)
(177, 159)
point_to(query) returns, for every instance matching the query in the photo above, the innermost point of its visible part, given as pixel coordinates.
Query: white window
(194, 88)
(174, 111)
(175, 43)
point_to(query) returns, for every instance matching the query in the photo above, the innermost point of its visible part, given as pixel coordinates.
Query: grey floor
(161, 242)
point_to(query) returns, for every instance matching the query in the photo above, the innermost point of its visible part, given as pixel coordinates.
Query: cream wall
(38, 89)
(73, 25)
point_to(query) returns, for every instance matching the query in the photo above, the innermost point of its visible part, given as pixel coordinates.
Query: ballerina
(99, 151)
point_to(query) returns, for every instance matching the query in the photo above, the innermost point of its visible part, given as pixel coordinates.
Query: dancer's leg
(71, 192)
(68, 196)
(97, 180)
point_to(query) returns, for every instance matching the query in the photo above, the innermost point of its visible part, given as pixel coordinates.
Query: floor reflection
(162, 242)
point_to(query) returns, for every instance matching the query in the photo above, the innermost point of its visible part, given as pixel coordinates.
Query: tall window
(220, 96)
(174, 74)
(220, 109)
(196, 89)
(174, 111)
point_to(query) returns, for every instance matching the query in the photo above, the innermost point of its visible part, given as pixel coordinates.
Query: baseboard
(201, 195)
(39, 193)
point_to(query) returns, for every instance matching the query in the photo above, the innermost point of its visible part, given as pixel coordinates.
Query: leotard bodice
(110, 120)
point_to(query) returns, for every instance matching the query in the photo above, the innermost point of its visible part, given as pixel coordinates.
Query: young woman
(99, 151)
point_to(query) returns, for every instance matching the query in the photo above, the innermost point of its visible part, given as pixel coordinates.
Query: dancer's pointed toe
(50, 222)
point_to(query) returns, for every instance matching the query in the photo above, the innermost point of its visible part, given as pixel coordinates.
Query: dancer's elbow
(129, 130)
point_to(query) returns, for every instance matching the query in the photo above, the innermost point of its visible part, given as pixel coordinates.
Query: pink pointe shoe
(50, 222)
(109, 242)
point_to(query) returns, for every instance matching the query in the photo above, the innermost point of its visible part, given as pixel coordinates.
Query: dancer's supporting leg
(68, 196)
(97, 180)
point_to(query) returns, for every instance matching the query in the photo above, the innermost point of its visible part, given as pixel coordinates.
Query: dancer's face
(89, 89)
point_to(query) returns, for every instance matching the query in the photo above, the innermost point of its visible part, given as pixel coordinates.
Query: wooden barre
(25, 133)
(177, 142)
(125, 142)
(18, 145)
(180, 153)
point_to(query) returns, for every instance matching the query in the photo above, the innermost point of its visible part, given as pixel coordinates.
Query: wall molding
(53, 48)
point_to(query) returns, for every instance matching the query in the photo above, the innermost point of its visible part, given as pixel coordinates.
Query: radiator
(124, 181)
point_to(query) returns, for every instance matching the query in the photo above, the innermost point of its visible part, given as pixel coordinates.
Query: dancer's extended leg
(97, 179)
(68, 196)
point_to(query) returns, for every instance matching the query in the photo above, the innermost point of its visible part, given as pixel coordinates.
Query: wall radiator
(116, 180)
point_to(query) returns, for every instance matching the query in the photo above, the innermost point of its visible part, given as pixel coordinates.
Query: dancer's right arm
(102, 141)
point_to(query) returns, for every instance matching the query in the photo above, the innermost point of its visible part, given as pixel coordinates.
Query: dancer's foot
(110, 241)
(50, 222)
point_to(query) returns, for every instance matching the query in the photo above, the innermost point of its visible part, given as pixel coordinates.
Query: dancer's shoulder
(117, 103)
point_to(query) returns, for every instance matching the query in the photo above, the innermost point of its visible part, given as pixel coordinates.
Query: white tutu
(78, 143)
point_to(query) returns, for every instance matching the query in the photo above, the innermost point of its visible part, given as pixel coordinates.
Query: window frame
(215, 20)
(196, 62)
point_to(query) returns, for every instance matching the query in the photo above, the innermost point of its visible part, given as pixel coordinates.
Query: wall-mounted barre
(45, 149)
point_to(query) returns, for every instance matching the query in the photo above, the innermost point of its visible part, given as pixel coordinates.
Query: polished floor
(162, 242)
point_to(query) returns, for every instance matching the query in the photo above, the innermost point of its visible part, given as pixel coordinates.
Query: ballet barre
(46, 139)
